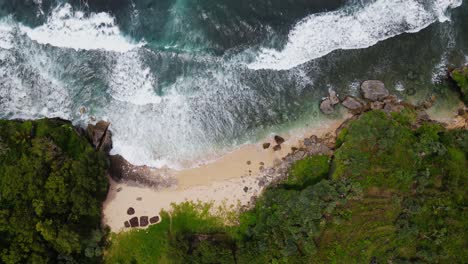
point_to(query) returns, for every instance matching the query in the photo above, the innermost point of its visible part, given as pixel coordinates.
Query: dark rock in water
(134, 222)
(374, 90)
(96, 133)
(266, 145)
(352, 103)
(126, 224)
(144, 221)
(279, 140)
(154, 219)
(327, 107)
(277, 148)
(130, 211)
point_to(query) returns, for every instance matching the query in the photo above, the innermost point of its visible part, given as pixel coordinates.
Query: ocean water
(180, 79)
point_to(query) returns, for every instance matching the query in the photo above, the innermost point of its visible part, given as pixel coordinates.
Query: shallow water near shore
(186, 80)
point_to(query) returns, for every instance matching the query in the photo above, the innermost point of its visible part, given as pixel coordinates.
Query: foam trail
(131, 82)
(6, 33)
(73, 29)
(352, 28)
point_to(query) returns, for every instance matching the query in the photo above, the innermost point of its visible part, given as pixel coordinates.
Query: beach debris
(130, 211)
(266, 145)
(154, 220)
(249, 162)
(139, 199)
(134, 222)
(279, 140)
(374, 90)
(144, 221)
(119, 189)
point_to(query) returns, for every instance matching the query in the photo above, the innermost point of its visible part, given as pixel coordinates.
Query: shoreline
(232, 180)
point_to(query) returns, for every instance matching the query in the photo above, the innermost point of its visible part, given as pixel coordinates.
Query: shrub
(52, 183)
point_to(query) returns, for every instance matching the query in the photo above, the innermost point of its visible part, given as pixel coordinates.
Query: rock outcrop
(352, 103)
(327, 106)
(100, 136)
(122, 170)
(374, 90)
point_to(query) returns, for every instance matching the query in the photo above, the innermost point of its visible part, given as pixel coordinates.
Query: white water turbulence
(353, 27)
(67, 28)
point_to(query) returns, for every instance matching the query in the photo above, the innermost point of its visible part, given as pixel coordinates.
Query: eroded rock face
(374, 90)
(352, 103)
(122, 170)
(99, 136)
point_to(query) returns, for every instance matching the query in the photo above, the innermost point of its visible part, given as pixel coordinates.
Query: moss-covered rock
(460, 76)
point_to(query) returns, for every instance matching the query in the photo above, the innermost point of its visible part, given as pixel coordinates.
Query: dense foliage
(52, 183)
(460, 76)
(395, 191)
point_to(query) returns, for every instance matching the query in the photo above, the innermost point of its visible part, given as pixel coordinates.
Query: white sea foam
(352, 27)
(131, 81)
(74, 29)
(6, 33)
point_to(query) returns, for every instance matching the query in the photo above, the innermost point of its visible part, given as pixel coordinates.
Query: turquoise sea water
(178, 79)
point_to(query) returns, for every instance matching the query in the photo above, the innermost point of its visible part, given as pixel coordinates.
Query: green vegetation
(52, 184)
(181, 231)
(396, 192)
(308, 171)
(460, 76)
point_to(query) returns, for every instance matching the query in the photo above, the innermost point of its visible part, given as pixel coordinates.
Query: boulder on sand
(144, 221)
(134, 222)
(266, 145)
(130, 211)
(154, 219)
(279, 140)
(374, 90)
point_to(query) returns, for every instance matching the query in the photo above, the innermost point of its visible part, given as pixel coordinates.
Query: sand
(230, 180)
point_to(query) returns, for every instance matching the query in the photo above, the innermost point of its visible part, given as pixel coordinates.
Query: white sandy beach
(222, 181)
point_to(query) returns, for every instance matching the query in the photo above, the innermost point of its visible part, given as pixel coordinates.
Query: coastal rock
(334, 100)
(126, 224)
(377, 105)
(154, 219)
(326, 106)
(122, 170)
(106, 142)
(144, 221)
(279, 140)
(374, 90)
(391, 108)
(96, 133)
(130, 211)
(352, 103)
(277, 148)
(134, 222)
(266, 145)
